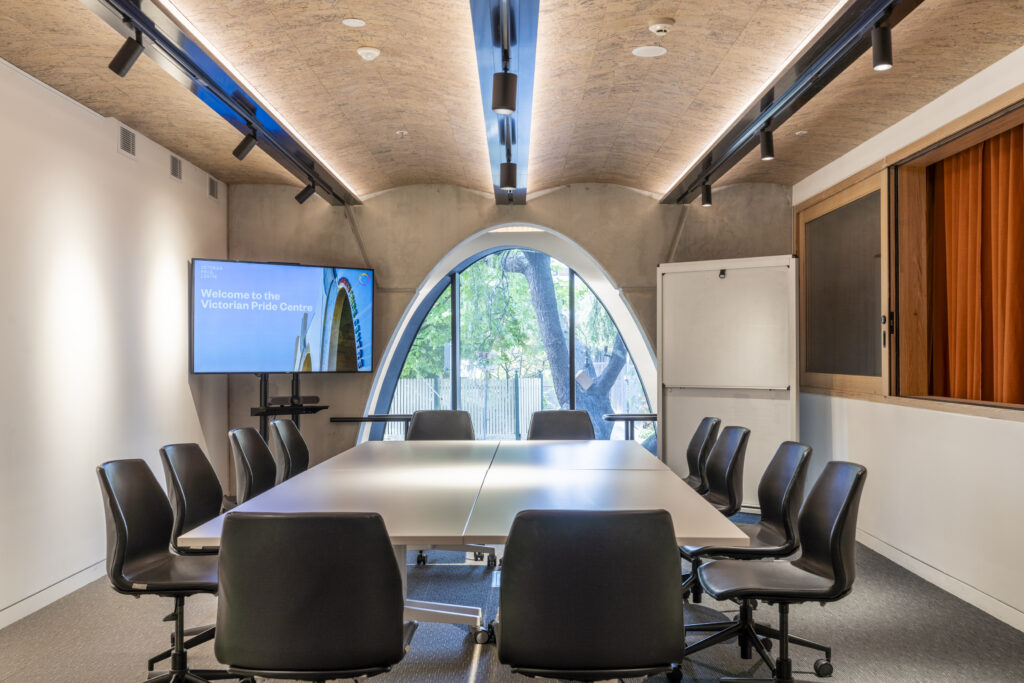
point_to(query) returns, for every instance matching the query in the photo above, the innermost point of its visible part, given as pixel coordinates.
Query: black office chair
(570, 425)
(255, 471)
(435, 425)
(310, 597)
(824, 571)
(291, 448)
(779, 494)
(140, 562)
(442, 425)
(697, 453)
(194, 491)
(589, 596)
(724, 469)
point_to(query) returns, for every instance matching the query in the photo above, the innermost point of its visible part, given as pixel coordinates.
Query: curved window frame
(478, 246)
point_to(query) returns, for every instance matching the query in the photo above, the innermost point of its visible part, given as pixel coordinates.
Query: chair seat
(593, 674)
(764, 542)
(173, 574)
(768, 580)
(408, 631)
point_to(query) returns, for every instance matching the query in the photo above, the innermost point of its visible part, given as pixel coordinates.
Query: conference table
(468, 492)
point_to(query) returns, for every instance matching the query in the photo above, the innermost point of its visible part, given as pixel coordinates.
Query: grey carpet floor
(894, 627)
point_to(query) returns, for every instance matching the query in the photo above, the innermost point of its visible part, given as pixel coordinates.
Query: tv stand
(294, 405)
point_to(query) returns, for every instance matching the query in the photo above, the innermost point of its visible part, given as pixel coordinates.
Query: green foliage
(427, 356)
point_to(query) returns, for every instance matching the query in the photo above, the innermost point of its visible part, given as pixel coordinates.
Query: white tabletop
(577, 455)
(448, 492)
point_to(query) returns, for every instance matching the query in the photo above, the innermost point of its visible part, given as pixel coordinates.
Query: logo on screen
(364, 278)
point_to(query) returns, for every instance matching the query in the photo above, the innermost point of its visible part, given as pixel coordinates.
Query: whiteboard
(727, 347)
(727, 327)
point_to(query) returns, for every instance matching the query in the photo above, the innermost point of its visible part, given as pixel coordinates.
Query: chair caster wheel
(421, 559)
(823, 668)
(482, 636)
(478, 556)
(492, 561)
(675, 675)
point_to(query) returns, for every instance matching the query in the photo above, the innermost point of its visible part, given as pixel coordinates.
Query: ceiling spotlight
(245, 146)
(705, 195)
(352, 22)
(508, 176)
(122, 62)
(649, 51)
(503, 93)
(881, 48)
(767, 145)
(305, 193)
(368, 53)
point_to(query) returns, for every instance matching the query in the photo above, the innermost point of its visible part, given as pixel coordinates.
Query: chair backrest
(435, 425)
(828, 525)
(724, 469)
(572, 425)
(294, 454)
(781, 490)
(700, 446)
(194, 491)
(611, 576)
(308, 592)
(255, 471)
(138, 517)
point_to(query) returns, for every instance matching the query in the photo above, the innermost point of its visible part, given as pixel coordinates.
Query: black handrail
(630, 419)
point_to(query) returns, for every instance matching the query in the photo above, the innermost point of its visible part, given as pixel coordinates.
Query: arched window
(523, 332)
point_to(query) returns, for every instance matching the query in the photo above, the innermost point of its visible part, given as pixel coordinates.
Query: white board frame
(771, 413)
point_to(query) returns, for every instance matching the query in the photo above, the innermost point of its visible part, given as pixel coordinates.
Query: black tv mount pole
(293, 405)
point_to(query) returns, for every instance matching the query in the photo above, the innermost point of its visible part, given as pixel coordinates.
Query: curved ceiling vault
(599, 113)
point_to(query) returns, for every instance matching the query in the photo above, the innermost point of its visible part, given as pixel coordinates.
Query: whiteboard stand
(727, 348)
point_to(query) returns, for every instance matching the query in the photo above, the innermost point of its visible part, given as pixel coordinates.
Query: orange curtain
(978, 272)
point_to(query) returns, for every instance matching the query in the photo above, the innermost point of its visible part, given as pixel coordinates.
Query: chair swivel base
(754, 636)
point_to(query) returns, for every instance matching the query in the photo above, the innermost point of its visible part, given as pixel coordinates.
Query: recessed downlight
(402, 134)
(649, 51)
(352, 22)
(800, 133)
(368, 53)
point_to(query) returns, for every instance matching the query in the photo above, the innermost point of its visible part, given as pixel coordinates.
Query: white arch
(556, 245)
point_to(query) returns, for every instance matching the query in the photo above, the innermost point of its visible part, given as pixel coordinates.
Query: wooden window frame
(911, 235)
(858, 186)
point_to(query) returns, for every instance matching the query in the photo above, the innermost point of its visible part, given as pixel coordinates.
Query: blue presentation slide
(264, 317)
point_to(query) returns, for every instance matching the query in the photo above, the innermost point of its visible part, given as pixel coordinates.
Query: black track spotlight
(305, 193)
(122, 62)
(508, 176)
(245, 146)
(767, 145)
(705, 195)
(503, 93)
(881, 48)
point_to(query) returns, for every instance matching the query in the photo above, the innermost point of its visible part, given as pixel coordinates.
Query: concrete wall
(405, 232)
(94, 338)
(744, 220)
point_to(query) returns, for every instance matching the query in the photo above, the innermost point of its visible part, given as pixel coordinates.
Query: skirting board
(41, 599)
(952, 585)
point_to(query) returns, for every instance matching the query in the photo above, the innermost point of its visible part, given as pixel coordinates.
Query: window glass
(425, 381)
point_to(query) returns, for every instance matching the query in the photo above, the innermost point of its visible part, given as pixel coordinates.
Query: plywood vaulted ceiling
(600, 114)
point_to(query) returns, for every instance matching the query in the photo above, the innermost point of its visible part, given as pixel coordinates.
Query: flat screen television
(280, 318)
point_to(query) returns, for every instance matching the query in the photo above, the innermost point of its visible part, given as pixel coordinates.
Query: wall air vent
(214, 188)
(175, 167)
(127, 141)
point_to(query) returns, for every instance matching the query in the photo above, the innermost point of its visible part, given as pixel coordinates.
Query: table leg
(437, 612)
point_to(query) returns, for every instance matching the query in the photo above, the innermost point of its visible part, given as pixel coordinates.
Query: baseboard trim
(952, 585)
(40, 599)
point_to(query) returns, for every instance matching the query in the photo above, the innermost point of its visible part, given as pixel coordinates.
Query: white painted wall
(943, 490)
(94, 335)
(942, 496)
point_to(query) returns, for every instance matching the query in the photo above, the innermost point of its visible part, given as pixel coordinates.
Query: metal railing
(631, 419)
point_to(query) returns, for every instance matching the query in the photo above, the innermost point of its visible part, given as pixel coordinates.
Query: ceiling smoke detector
(368, 53)
(661, 27)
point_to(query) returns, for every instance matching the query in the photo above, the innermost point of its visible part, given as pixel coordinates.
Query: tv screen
(268, 317)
